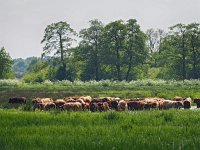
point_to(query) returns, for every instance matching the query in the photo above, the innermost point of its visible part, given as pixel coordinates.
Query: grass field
(25, 129)
(172, 130)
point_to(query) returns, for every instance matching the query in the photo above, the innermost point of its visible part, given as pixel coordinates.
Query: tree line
(119, 50)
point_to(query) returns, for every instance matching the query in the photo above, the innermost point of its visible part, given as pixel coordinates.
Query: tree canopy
(5, 64)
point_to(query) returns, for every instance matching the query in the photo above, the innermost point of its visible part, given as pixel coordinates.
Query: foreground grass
(110, 130)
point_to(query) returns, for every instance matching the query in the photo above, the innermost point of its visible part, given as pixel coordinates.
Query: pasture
(133, 89)
(23, 128)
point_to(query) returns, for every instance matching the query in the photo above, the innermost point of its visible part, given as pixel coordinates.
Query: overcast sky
(22, 22)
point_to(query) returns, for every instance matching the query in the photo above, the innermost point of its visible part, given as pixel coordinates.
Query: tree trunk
(183, 58)
(62, 57)
(194, 70)
(96, 62)
(118, 66)
(129, 67)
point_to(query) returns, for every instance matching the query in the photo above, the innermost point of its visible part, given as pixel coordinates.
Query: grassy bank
(111, 130)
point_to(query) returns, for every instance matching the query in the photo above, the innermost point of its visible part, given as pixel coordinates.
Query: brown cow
(122, 105)
(151, 103)
(42, 100)
(49, 106)
(59, 103)
(113, 104)
(17, 100)
(167, 104)
(40, 106)
(75, 106)
(103, 106)
(187, 103)
(135, 105)
(177, 98)
(87, 99)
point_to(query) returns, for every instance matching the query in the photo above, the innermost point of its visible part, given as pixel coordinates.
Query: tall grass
(111, 130)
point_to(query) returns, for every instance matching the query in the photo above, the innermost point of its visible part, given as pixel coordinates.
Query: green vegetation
(173, 129)
(123, 89)
(119, 50)
(5, 65)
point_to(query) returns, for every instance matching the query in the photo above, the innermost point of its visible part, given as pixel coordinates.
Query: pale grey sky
(22, 22)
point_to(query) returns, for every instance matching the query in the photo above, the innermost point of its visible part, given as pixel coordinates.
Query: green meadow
(171, 129)
(21, 128)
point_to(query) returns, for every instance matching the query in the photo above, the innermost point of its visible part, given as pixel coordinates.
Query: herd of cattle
(107, 103)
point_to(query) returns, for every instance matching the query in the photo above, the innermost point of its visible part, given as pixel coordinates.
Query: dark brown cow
(136, 105)
(94, 107)
(40, 106)
(17, 100)
(103, 106)
(187, 103)
(113, 104)
(197, 101)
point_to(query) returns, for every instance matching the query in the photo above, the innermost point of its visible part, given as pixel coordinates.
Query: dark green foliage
(5, 64)
(58, 39)
(179, 52)
(119, 50)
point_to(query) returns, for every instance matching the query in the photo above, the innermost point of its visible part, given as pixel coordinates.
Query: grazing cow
(42, 100)
(177, 98)
(151, 103)
(197, 101)
(113, 104)
(49, 106)
(17, 100)
(59, 103)
(106, 99)
(167, 104)
(96, 100)
(160, 104)
(87, 99)
(82, 102)
(87, 106)
(103, 106)
(122, 105)
(135, 105)
(94, 107)
(179, 105)
(187, 103)
(40, 106)
(75, 106)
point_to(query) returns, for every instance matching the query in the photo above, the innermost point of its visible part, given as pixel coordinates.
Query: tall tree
(115, 36)
(5, 64)
(91, 45)
(135, 45)
(193, 35)
(179, 31)
(58, 37)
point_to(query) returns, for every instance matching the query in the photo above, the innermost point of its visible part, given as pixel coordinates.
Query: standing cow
(17, 100)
